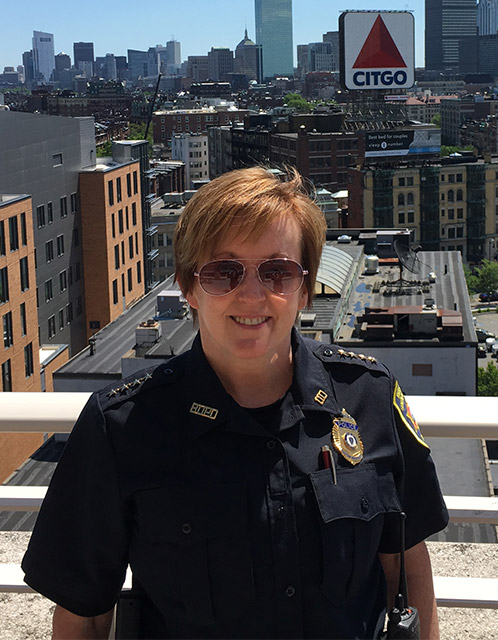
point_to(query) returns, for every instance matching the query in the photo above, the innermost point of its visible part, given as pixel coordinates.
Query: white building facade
(43, 55)
(192, 149)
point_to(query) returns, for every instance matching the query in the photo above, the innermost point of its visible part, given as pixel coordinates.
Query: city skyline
(115, 28)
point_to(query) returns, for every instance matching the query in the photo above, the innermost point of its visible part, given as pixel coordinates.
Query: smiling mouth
(250, 322)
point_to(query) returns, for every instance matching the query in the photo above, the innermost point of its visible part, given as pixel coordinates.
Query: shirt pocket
(352, 517)
(194, 546)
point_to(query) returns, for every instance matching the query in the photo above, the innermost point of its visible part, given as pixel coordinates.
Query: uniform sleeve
(77, 555)
(416, 480)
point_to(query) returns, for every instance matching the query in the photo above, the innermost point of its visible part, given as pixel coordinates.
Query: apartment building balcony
(466, 573)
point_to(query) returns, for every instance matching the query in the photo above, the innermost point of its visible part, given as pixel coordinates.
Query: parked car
(482, 334)
(489, 343)
(494, 349)
(491, 296)
(481, 351)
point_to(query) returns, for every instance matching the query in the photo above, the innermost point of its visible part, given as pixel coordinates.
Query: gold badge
(202, 410)
(320, 397)
(346, 438)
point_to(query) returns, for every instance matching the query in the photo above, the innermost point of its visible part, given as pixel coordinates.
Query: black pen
(328, 461)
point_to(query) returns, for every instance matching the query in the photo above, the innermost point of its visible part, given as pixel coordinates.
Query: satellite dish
(408, 258)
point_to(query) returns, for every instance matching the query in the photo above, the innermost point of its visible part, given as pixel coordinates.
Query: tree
(436, 120)
(487, 276)
(104, 150)
(137, 132)
(471, 279)
(447, 150)
(297, 102)
(487, 380)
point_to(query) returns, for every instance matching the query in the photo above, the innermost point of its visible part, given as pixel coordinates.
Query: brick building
(450, 205)
(112, 240)
(168, 123)
(19, 355)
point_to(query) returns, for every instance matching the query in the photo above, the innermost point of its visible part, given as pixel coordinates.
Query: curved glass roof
(335, 268)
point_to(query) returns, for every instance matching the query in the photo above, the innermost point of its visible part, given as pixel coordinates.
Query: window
(2, 238)
(51, 327)
(401, 217)
(451, 214)
(49, 292)
(28, 360)
(411, 217)
(110, 192)
(451, 232)
(135, 183)
(60, 317)
(442, 177)
(50, 212)
(4, 285)
(69, 313)
(122, 251)
(122, 285)
(459, 177)
(49, 251)
(409, 181)
(113, 225)
(139, 273)
(114, 291)
(76, 237)
(401, 199)
(130, 280)
(128, 185)
(74, 203)
(60, 245)
(451, 196)
(401, 182)
(443, 213)
(40, 216)
(24, 324)
(130, 246)
(459, 195)
(56, 159)
(136, 242)
(118, 189)
(160, 237)
(24, 231)
(116, 256)
(459, 233)
(120, 221)
(127, 219)
(6, 376)
(63, 205)
(133, 213)
(451, 177)
(409, 198)
(24, 271)
(8, 332)
(63, 280)
(421, 369)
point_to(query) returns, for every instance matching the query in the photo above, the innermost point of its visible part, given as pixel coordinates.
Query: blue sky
(117, 25)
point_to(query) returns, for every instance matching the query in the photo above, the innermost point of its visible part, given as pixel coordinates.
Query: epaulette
(144, 380)
(332, 354)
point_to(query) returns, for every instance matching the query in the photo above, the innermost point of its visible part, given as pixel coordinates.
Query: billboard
(402, 143)
(377, 50)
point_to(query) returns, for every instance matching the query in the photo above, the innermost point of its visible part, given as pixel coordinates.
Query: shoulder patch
(406, 416)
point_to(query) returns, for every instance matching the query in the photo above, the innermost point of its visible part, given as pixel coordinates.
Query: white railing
(441, 416)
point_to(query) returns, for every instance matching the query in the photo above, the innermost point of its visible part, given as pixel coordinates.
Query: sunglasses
(279, 275)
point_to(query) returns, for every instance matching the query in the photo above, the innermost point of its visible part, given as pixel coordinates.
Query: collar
(210, 406)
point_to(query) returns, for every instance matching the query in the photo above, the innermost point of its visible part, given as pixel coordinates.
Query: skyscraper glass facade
(274, 33)
(447, 24)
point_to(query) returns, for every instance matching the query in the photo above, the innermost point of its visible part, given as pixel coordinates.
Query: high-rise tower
(487, 17)
(274, 33)
(448, 26)
(43, 55)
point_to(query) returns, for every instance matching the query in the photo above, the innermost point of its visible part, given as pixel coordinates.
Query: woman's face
(251, 322)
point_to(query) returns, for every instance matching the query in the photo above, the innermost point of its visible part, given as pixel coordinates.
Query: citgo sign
(377, 50)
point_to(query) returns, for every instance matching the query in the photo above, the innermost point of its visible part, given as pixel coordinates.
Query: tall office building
(487, 17)
(174, 52)
(448, 26)
(43, 55)
(84, 57)
(274, 33)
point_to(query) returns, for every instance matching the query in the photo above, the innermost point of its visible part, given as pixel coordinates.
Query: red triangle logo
(379, 49)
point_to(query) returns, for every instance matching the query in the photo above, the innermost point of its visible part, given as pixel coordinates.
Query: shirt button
(186, 527)
(290, 591)
(327, 352)
(364, 505)
(168, 372)
(271, 444)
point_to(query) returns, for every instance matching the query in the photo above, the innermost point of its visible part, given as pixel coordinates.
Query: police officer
(253, 484)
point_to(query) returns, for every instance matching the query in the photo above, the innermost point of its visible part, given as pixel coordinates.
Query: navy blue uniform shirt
(234, 530)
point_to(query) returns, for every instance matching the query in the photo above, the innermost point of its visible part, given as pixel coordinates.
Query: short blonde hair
(253, 198)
